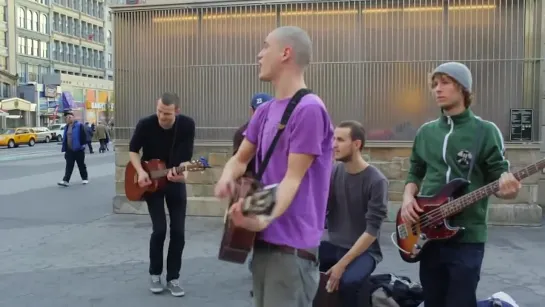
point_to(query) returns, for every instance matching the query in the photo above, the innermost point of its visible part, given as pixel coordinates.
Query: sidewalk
(104, 263)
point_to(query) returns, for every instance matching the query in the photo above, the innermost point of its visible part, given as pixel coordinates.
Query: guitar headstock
(198, 165)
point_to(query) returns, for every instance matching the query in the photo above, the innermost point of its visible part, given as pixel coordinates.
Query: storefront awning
(17, 104)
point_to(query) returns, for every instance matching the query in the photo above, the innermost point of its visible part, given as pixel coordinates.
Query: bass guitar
(157, 172)
(236, 242)
(410, 239)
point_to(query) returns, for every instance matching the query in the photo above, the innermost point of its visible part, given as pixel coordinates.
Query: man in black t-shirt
(257, 100)
(168, 137)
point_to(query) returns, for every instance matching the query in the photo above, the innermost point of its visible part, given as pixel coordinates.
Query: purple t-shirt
(309, 131)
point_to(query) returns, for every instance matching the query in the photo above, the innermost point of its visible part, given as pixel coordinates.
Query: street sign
(521, 124)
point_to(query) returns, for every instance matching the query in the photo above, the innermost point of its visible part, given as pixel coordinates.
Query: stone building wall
(390, 158)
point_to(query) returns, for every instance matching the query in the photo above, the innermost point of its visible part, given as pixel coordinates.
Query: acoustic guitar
(236, 242)
(157, 172)
(433, 224)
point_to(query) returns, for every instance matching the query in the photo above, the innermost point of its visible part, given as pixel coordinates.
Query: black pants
(103, 145)
(176, 199)
(450, 273)
(354, 277)
(73, 157)
(90, 145)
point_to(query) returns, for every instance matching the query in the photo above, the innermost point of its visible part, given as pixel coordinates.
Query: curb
(498, 214)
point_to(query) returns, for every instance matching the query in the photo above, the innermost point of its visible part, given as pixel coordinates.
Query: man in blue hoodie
(73, 145)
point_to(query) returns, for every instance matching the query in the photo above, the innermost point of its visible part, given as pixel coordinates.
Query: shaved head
(297, 40)
(285, 49)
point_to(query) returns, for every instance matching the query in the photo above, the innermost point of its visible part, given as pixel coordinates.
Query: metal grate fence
(371, 60)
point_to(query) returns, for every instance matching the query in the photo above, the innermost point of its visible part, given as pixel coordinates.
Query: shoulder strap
(476, 148)
(283, 122)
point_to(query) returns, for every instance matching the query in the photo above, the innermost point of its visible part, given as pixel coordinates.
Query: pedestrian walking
(73, 145)
(89, 134)
(102, 136)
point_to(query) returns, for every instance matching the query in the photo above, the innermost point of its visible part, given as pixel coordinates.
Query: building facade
(371, 62)
(52, 42)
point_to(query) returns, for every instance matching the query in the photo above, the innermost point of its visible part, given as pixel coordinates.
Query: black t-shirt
(173, 146)
(237, 141)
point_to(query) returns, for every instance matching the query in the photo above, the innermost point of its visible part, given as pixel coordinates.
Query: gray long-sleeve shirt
(357, 204)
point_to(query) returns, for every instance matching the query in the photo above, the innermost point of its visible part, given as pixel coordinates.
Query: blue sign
(67, 101)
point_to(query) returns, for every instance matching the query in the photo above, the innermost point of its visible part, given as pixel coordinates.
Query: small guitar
(157, 172)
(410, 239)
(237, 242)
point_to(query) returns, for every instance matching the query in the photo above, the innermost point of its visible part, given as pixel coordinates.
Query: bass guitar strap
(281, 126)
(476, 149)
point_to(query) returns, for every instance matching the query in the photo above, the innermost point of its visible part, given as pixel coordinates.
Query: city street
(64, 247)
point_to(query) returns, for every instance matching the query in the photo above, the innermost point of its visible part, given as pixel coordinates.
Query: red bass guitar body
(412, 239)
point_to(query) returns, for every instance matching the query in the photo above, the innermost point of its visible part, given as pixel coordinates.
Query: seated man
(356, 208)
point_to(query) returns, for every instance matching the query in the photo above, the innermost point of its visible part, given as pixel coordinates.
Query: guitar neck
(461, 203)
(163, 173)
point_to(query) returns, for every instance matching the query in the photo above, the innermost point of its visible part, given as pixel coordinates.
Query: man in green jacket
(442, 151)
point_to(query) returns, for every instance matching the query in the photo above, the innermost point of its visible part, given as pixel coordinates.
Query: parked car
(18, 136)
(57, 132)
(43, 134)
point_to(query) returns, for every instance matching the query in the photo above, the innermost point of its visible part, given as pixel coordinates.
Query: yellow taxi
(13, 137)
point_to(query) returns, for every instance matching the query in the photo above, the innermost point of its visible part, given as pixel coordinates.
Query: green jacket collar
(461, 118)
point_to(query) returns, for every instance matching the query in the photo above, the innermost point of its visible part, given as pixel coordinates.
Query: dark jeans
(73, 157)
(103, 145)
(450, 273)
(90, 145)
(176, 199)
(355, 275)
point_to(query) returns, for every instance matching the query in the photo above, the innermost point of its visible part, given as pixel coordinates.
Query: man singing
(357, 206)
(168, 137)
(443, 150)
(284, 265)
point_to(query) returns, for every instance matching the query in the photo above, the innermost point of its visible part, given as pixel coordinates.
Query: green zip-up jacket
(442, 151)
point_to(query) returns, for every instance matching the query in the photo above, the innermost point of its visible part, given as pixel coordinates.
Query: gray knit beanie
(456, 71)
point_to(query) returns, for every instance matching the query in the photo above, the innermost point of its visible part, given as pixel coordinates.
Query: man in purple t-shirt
(284, 266)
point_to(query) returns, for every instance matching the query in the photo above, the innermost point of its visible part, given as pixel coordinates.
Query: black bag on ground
(399, 288)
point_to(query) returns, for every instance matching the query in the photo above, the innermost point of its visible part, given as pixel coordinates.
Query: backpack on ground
(390, 290)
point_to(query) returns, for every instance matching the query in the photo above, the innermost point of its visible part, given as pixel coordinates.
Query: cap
(259, 99)
(458, 72)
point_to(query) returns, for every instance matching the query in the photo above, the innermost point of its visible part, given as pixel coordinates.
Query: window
(66, 29)
(75, 55)
(29, 20)
(83, 29)
(100, 59)
(3, 62)
(3, 39)
(22, 16)
(54, 50)
(43, 49)
(35, 22)
(3, 13)
(109, 60)
(109, 16)
(21, 43)
(56, 22)
(28, 46)
(86, 59)
(43, 24)
(77, 51)
(35, 47)
(109, 37)
(69, 53)
(61, 53)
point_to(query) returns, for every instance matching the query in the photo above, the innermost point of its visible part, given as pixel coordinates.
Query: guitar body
(136, 193)
(411, 240)
(236, 243)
